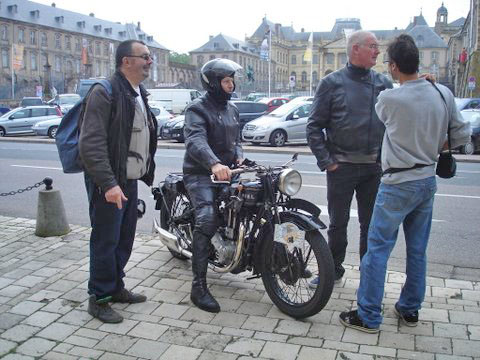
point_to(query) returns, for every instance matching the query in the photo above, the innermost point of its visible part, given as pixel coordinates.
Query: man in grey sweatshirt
(416, 121)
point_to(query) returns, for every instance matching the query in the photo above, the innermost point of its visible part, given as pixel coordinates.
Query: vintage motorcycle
(262, 229)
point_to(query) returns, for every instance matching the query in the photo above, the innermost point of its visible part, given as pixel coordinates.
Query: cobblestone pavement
(43, 311)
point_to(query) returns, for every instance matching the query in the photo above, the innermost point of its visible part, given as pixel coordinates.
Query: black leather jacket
(212, 135)
(343, 125)
(106, 130)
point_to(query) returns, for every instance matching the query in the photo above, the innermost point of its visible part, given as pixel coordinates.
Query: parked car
(174, 100)
(161, 114)
(255, 96)
(473, 117)
(249, 110)
(300, 99)
(467, 103)
(31, 101)
(22, 119)
(273, 102)
(173, 129)
(65, 101)
(47, 127)
(4, 110)
(288, 123)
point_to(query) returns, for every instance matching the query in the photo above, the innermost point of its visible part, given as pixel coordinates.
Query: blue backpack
(68, 132)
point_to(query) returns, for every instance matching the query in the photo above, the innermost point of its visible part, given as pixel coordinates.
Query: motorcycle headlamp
(289, 182)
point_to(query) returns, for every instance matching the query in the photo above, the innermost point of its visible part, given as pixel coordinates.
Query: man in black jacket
(117, 147)
(212, 141)
(345, 135)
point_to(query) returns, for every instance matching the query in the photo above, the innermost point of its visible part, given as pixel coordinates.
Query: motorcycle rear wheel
(289, 289)
(178, 207)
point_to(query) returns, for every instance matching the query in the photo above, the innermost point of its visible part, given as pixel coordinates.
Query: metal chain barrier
(46, 181)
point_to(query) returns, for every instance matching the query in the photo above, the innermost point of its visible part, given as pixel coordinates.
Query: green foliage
(180, 58)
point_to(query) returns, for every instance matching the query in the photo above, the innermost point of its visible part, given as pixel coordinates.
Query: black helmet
(214, 71)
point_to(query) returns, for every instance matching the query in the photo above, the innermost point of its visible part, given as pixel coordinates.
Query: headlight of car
(178, 125)
(290, 182)
(261, 127)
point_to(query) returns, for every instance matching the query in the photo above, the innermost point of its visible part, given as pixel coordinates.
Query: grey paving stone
(52, 355)
(423, 328)
(148, 330)
(309, 353)
(57, 331)
(468, 318)
(244, 346)
(213, 342)
(340, 346)
(26, 307)
(474, 332)
(212, 355)
(433, 344)
(229, 305)
(357, 337)
(147, 349)
(397, 340)
(20, 333)
(292, 327)
(466, 348)
(17, 357)
(175, 323)
(41, 319)
(196, 315)
(5, 282)
(35, 347)
(280, 351)
(122, 328)
(6, 346)
(378, 351)
(306, 341)
(205, 328)
(76, 317)
(179, 336)
(450, 330)
(458, 284)
(8, 320)
(29, 281)
(12, 290)
(142, 308)
(110, 356)
(176, 352)
(171, 297)
(81, 341)
(85, 353)
(330, 332)
(259, 323)
(116, 343)
(44, 296)
(229, 320)
(451, 357)
(170, 310)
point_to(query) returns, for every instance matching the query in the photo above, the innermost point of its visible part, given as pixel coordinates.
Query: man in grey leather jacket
(345, 135)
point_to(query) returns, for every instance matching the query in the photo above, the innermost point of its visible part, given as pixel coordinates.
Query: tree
(180, 58)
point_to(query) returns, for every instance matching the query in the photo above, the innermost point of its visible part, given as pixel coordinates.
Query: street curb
(162, 144)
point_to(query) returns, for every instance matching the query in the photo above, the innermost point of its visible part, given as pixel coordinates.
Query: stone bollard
(51, 217)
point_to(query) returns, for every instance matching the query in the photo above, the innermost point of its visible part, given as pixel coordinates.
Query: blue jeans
(410, 203)
(111, 240)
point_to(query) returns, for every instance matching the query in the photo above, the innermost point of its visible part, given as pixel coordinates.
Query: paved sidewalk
(43, 311)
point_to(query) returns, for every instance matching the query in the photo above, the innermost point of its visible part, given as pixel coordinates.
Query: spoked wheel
(179, 221)
(290, 267)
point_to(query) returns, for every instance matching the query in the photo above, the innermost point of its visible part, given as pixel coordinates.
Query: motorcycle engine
(225, 249)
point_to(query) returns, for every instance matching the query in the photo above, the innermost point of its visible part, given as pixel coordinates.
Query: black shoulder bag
(446, 164)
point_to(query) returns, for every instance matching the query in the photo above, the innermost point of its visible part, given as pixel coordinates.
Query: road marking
(37, 167)
(459, 196)
(315, 186)
(468, 171)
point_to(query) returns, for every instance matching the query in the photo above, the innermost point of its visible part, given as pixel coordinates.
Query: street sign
(292, 81)
(471, 83)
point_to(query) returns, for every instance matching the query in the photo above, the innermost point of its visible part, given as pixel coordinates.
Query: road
(455, 230)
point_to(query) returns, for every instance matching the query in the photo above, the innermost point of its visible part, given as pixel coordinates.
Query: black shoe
(352, 320)
(128, 297)
(102, 311)
(410, 319)
(202, 298)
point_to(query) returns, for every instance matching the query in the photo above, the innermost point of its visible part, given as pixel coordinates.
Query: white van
(174, 100)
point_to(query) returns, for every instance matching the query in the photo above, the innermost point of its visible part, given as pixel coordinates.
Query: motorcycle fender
(304, 222)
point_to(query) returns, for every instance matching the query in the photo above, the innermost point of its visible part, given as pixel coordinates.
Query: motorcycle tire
(165, 215)
(323, 268)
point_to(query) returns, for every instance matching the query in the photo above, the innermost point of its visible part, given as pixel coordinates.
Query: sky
(182, 26)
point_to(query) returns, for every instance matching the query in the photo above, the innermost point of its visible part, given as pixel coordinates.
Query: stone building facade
(290, 71)
(60, 47)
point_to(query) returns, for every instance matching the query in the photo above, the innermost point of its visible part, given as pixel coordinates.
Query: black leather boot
(200, 295)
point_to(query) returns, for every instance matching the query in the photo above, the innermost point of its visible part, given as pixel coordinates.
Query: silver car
(288, 123)
(21, 120)
(161, 114)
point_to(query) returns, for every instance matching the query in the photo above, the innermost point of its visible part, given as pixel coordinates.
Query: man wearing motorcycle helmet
(212, 142)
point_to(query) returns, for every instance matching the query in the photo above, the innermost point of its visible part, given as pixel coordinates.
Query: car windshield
(473, 117)
(31, 102)
(64, 100)
(6, 115)
(284, 109)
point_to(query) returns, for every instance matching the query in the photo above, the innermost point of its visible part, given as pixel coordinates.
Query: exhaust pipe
(170, 240)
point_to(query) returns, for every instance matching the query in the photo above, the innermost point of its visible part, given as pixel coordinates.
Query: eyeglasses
(145, 57)
(372, 46)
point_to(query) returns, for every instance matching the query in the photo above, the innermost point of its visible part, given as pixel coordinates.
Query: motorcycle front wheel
(178, 220)
(289, 269)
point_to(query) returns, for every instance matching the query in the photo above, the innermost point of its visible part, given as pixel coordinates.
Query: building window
(44, 59)
(329, 58)
(98, 70)
(97, 48)
(43, 39)
(33, 60)
(303, 60)
(419, 40)
(216, 45)
(212, 57)
(420, 55)
(4, 32)
(77, 66)
(314, 77)
(315, 59)
(33, 37)
(106, 68)
(343, 58)
(434, 56)
(58, 63)
(200, 60)
(58, 41)
(304, 76)
(105, 49)
(90, 47)
(5, 58)
(21, 36)
(68, 43)
(294, 60)
(78, 45)
(24, 60)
